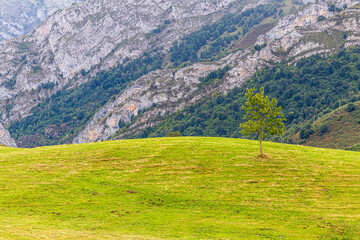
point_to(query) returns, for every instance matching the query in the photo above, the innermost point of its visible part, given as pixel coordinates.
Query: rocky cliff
(92, 36)
(18, 17)
(5, 138)
(295, 36)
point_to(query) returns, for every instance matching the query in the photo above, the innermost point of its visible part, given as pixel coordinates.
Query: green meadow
(179, 188)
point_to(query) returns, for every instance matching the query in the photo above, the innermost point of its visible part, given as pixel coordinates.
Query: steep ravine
(295, 36)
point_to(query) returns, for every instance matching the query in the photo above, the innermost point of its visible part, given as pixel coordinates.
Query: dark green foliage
(305, 91)
(232, 29)
(158, 30)
(297, 2)
(321, 18)
(306, 131)
(350, 107)
(49, 85)
(354, 148)
(76, 106)
(83, 72)
(121, 124)
(281, 13)
(219, 74)
(214, 35)
(37, 69)
(323, 129)
(332, 8)
(8, 107)
(10, 84)
(259, 47)
(174, 134)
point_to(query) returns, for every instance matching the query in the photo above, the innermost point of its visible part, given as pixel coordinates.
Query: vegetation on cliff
(60, 117)
(68, 111)
(306, 91)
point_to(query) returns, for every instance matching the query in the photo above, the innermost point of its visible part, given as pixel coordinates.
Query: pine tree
(264, 117)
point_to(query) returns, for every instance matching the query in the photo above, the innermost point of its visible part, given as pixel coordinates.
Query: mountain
(307, 92)
(78, 42)
(92, 72)
(18, 17)
(312, 30)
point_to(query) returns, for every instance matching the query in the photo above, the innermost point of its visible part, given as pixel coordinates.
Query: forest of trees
(188, 50)
(306, 91)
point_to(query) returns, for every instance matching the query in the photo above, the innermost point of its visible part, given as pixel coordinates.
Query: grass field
(188, 188)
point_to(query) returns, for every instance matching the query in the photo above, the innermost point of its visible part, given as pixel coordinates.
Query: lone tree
(264, 117)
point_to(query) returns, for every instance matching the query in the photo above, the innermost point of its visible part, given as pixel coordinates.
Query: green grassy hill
(188, 188)
(341, 129)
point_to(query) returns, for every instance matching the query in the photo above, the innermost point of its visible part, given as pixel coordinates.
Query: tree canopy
(263, 116)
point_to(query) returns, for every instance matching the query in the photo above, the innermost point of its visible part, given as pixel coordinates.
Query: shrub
(321, 18)
(37, 69)
(83, 72)
(122, 124)
(306, 131)
(259, 47)
(350, 107)
(323, 129)
(174, 134)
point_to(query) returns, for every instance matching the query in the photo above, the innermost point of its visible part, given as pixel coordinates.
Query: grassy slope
(190, 188)
(343, 129)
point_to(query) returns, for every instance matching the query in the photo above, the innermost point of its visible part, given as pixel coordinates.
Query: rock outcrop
(5, 138)
(164, 92)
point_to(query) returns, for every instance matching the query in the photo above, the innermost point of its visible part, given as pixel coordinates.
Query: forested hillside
(60, 117)
(306, 91)
(79, 43)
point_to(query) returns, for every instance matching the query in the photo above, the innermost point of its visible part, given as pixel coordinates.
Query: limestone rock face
(164, 92)
(93, 35)
(18, 17)
(5, 138)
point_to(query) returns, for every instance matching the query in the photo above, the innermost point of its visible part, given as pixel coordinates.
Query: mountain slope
(337, 129)
(295, 36)
(89, 37)
(186, 188)
(93, 88)
(306, 92)
(84, 53)
(18, 17)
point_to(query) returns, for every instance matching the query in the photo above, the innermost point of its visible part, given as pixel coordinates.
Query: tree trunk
(261, 137)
